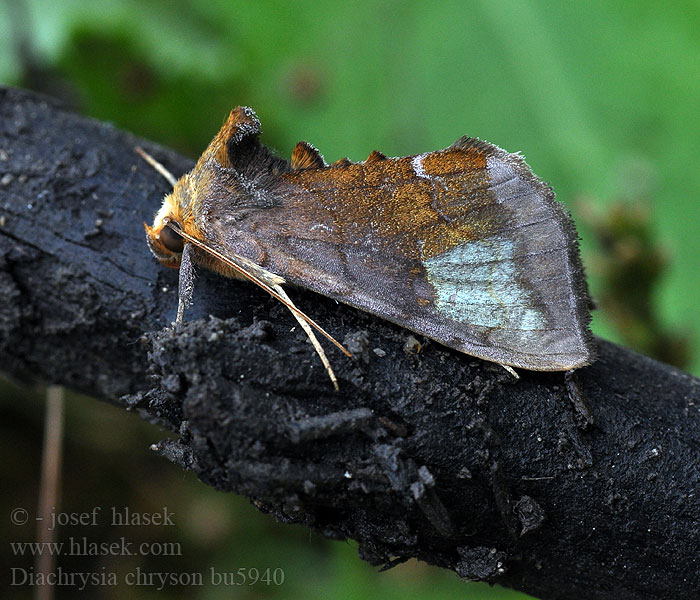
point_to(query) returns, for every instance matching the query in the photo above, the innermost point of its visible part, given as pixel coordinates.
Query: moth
(463, 245)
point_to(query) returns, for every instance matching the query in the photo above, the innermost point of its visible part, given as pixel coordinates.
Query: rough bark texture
(427, 454)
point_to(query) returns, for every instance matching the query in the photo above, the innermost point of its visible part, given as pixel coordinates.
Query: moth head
(231, 165)
(164, 242)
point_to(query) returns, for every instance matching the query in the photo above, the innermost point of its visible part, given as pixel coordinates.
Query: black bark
(424, 453)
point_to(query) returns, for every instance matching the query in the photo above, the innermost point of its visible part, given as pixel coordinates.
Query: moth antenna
(312, 337)
(156, 165)
(257, 281)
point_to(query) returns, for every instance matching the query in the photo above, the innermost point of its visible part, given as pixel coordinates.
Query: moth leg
(511, 370)
(310, 333)
(185, 285)
(575, 394)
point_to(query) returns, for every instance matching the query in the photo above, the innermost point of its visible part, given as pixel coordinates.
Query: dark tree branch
(431, 455)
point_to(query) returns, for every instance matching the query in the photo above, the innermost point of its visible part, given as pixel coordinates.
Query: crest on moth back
(463, 245)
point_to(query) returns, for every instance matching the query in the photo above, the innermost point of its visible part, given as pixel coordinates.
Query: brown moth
(463, 245)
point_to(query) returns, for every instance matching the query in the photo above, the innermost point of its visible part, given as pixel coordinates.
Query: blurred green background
(602, 98)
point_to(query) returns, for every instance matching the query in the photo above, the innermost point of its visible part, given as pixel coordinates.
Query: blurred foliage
(584, 89)
(629, 263)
